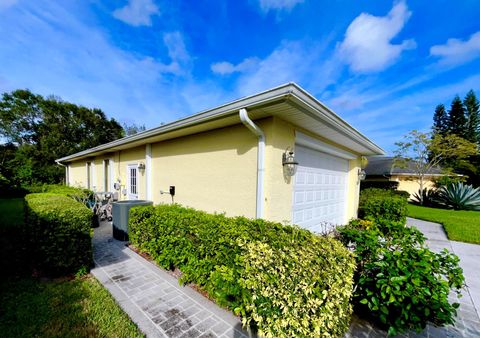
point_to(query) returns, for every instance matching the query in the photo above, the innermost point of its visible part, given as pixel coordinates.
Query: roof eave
(287, 91)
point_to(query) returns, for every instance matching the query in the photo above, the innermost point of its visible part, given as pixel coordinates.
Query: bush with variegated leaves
(282, 280)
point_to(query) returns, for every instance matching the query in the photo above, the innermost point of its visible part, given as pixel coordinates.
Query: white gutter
(67, 178)
(260, 159)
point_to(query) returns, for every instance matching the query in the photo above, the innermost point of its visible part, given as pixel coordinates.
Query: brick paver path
(153, 299)
(162, 308)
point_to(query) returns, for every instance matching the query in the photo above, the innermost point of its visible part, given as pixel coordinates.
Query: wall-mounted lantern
(141, 167)
(289, 163)
(362, 174)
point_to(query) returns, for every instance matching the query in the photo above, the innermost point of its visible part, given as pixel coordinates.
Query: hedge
(400, 284)
(383, 205)
(57, 229)
(283, 281)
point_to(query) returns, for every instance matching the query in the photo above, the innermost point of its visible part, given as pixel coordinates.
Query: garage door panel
(320, 189)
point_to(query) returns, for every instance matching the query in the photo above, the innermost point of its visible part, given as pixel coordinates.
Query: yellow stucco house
(237, 158)
(383, 169)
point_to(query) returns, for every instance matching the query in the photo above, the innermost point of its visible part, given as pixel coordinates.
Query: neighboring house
(230, 159)
(383, 169)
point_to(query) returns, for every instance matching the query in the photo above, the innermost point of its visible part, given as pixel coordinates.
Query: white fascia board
(289, 91)
(310, 142)
(320, 110)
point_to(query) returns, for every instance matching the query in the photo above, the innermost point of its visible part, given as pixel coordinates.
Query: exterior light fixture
(141, 166)
(289, 163)
(362, 174)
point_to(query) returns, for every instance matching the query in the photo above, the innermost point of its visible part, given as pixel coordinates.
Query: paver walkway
(162, 308)
(153, 299)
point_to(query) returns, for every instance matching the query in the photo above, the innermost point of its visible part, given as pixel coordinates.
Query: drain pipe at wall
(260, 159)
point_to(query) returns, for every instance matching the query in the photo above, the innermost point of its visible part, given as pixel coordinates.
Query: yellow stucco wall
(213, 171)
(216, 171)
(353, 188)
(77, 174)
(410, 184)
(279, 135)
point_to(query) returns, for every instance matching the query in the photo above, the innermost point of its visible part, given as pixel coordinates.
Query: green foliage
(39, 130)
(58, 232)
(427, 197)
(78, 307)
(472, 110)
(305, 292)
(459, 196)
(391, 185)
(463, 120)
(440, 120)
(447, 179)
(457, 118)
(400, 283)
(383, 205)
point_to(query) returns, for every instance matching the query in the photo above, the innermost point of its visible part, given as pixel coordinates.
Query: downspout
(67, 179)
(260, 159)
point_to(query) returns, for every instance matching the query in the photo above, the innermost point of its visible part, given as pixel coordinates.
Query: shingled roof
(384, 166)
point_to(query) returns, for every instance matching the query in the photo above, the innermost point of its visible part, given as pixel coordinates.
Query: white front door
(320, 190)
(132, 182)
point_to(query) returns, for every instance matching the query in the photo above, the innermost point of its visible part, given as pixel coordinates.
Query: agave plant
(459, 196)
(428, 196)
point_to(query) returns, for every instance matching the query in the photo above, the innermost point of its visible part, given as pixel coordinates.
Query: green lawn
(43, 307)
(463, 226)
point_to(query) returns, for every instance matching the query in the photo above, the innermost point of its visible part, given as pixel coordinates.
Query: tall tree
(440, 120)
(132, 129)
(472, 107)
(425, 151)
(44, 129)
(456, 117)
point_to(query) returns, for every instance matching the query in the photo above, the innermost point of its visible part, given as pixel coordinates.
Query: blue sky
(381, 65)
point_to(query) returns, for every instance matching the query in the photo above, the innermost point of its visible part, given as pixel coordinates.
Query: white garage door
(320, 189)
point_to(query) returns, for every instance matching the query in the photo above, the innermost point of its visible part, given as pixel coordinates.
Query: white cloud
(367, 45)
(177, 51)
(92, 71)
(456, 51)
(4, 4)
(137, 12)
(225, 68)
(304, 62)
(267, 5)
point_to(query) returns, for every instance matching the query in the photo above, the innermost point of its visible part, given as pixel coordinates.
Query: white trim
(94, 176)
(310, 142)
(290, 92)
(67, 174)
(148, 171)
(260, 159)
(112, 174)
(88, 170)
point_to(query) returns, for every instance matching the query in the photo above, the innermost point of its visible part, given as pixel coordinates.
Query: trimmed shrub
(58, 232)
(401, 284)
(383, 206)
(388, 185)
(283, 280)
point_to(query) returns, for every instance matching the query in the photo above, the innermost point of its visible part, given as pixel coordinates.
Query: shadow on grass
(44, 307)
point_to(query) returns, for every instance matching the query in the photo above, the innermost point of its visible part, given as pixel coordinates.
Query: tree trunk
(421, 190)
